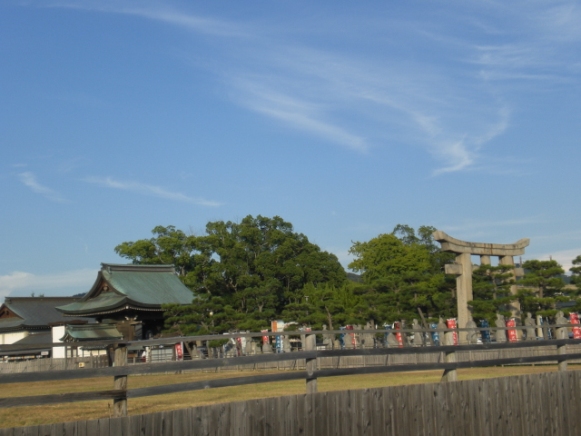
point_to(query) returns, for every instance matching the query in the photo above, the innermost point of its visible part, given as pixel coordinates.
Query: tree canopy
(248, 273)
(402, 276)
(542, 287)
(243, 274)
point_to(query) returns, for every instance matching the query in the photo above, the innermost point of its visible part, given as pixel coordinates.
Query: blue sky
(343, 118)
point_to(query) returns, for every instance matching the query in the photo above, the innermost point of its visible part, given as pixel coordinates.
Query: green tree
(576, 272)
(401, 276)
(491, 290)
(169, 246)
(542, 287)
(244, 274)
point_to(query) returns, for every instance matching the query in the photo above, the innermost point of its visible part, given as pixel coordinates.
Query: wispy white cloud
(62, 284)
(28, 179)
(150, 190)
(162, 12)
(451, 105)
(301, 114)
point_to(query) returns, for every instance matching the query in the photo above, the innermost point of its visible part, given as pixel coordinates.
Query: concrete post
(484, 259)
(464, 291)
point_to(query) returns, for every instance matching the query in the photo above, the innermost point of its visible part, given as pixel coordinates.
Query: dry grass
(34, 415)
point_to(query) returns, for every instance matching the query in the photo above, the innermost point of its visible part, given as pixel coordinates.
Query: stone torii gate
(462, 268)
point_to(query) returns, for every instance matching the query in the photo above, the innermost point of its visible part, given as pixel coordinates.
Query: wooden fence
(546, 404)
(344, 361)
(450, 359)
(49, 364)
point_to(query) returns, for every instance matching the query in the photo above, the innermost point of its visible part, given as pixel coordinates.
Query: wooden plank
(293, 407)
(374, 399)
(119, 426)
(135, 425)
(320, 413)
(427, 400)
(276, 417)
(221, 418)
(259, 415)
(415, 407)
(333, 413)
(524, 404)
(575, 399)
(180, 425)
(44, 430)
(516, 404)
(346, 408)
(19, 431)
(300, 411)
(241, 419)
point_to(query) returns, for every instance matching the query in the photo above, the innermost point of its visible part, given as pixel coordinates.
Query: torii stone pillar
(463, 268)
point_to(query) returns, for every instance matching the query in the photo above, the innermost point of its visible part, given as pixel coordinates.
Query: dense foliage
(491, 292)
(246, 274)
(243, 274)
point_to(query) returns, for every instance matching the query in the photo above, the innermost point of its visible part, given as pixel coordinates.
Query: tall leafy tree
(244, 273)
(542, 287)
(402, 274)
(491, 290)
(168, 246)
(576, 272)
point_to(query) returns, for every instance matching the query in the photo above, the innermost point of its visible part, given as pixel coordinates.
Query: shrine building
(130, 297)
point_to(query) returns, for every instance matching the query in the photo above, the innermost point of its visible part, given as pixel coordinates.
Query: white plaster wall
(57, 333)
(10, 338)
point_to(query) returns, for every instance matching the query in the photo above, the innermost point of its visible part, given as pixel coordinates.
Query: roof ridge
(111, 267)
(37, 298)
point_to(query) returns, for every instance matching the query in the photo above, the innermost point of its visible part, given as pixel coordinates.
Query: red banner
(179, 352)
(398, 335)
(574, 319)
(511, 332)
(451, 324)
(264, 338)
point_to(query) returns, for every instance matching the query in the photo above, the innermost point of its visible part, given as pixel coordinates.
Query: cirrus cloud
(151, 190)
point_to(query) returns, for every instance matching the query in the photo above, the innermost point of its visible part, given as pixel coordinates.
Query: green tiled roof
(150, 288)
(90, 332)
(104, 302)
(144, 287)
(34, 312)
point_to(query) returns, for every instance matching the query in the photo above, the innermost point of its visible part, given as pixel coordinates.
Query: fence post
(450, 356)
(311, 364)
(562, 363)
(120, 381)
